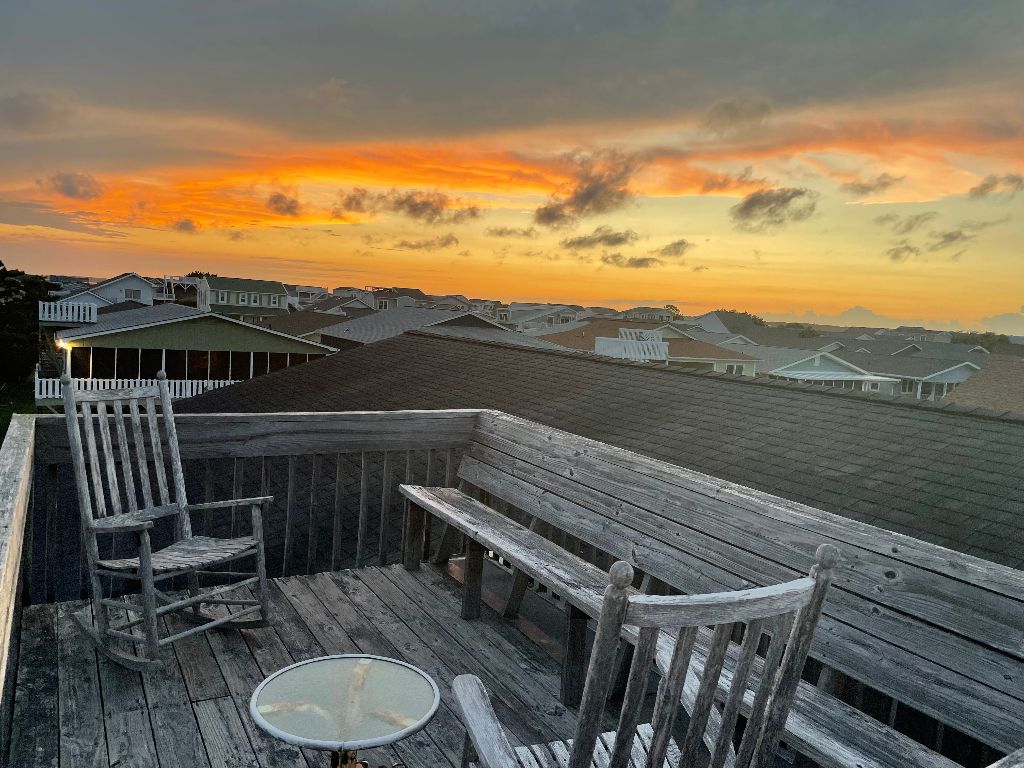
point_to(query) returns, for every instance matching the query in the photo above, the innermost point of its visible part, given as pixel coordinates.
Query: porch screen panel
(241, 365)
(150, 363)
(259, 363)
(198, 364)
(220, 364)
(278, 360)
(103, 363)
(127, 366)
(80, 362)
(175, 363)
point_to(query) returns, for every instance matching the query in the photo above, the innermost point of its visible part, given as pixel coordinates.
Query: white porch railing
(49, 389)
(631, 349)
(66, 312)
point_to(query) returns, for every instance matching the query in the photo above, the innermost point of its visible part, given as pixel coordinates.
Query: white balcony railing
(66, 312)
(49, 389)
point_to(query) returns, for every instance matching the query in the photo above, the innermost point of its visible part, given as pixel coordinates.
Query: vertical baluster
(385, 509)
(94, 463)
(339, 498)
(755, 720)
(289, 510)
(50, 573)
(312, 532)
(265, 491)
(237, 490)
(205, 527)
(364, 509)
(730, 714)
(429, 482)
(667, 701)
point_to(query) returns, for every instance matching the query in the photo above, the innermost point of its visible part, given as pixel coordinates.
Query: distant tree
(808, 333)
(673, 309)
(199, 273)
(743, 316)
(993, 342)
(19, 320)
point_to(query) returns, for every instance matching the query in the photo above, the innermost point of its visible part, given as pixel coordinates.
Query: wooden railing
(334, 479)
(66, 312)
(49, 388)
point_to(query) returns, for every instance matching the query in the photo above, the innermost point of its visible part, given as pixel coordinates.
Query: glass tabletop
(345, 702)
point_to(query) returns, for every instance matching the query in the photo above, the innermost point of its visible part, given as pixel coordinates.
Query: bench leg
(520, 582)
(473, 580)
(412, 541)
(447, 545)
(574, 669)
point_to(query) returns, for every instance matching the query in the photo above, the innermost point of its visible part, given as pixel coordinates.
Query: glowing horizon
(867, 170)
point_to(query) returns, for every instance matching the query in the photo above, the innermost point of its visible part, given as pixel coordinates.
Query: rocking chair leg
(261, 562)
(148, 597)
(193, 590)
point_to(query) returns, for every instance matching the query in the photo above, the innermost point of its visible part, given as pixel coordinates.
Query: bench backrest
(931, 628)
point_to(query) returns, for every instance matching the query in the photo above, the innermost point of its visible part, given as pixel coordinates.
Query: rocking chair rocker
(116, 495)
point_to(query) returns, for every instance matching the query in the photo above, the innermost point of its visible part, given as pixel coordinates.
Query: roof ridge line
(983, 414)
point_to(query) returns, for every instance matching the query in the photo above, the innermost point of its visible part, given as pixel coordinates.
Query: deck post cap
(65, 378)
(827, 556)
(162, 375)
(621, 574)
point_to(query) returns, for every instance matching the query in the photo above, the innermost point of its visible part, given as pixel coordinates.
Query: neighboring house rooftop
(108, 281)
(488, 333)
(383, 325)
(244, 285)
(301, 323)
(911, 366)
(120, 306)
(932, 471)
(999, 386)
(582, 336)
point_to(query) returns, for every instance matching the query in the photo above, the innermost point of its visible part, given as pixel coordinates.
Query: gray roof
(245, 285)
(772, 358)
(482, 333)
(941, 473)
(387, 323)
(131, 318)
(912, 366)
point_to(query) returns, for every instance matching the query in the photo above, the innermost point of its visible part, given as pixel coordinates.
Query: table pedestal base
(347, 759)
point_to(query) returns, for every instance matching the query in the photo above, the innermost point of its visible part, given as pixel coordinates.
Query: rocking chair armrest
(253, 500)
(483, 730)
(134, 521)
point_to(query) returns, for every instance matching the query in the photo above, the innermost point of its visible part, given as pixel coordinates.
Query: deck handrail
(67, 312)
(16, 460)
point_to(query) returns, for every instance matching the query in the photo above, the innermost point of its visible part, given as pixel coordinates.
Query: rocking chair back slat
(94, 462)
(126, 460)
(160, 471)
(790, 612)
(107, 460)
(140, 453)
(177, 473)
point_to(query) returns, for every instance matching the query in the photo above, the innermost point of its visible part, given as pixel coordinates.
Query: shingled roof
(943, 474)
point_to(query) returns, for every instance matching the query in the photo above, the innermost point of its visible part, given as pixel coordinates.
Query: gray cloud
(675, 249)
(736, 115)
(973, 225)
(429, 207)
(237, 235)
(527, 232)
(603, 235)
(769, 209)
(601, 185)
(904, 225)
(873, 186)
(902, 251)
(283, 205)
(78, 186)
(30, 214)
(630, 262)
(700, 268)
(723, 181)
(943, 240)
(1007, 184)
(27, 111)
(444, 241)
(186, 226)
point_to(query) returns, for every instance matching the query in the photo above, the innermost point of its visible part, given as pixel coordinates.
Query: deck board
(80, 710)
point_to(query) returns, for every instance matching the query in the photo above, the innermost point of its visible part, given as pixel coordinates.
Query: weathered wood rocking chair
(787, 612)
(126, 504)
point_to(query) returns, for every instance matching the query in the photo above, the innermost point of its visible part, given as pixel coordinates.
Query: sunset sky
(856, 162)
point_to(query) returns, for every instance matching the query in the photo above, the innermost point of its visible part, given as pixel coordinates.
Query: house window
(503, 316)
(734, 369)
(254, 299)
(133, 294)
(908, 386)
(222, 297)
(873, 386)
(382, 304)
(243, 298)
(275, 300)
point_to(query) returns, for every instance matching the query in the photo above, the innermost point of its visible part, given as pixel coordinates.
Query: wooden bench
(939, 632)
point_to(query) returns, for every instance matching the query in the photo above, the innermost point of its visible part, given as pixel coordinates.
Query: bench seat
(815, 718)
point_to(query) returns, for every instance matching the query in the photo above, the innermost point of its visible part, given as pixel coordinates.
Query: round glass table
(345, 703)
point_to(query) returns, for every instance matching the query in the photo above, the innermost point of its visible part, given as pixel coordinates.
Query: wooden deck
(74, 709)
